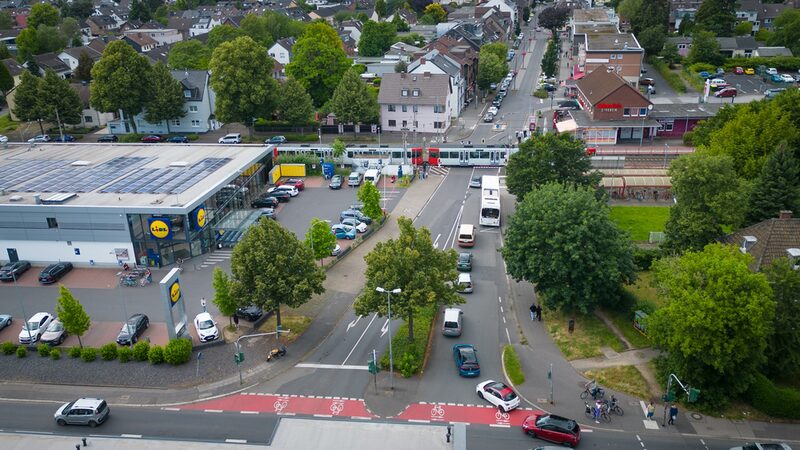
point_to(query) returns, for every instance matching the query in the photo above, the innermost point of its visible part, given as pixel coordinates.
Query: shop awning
(567, 125)
(635, 182)
(578, 76)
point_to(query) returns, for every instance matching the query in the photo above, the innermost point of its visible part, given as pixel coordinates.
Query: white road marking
(385, 327)
(134, 436)
(354, 322)
(170, 409)
(360, 337)
(499, 300)
(331, 366)
(419, 421)
(436, 242)
(499, 426)
(508, 335)
(501, 310)
(249, 412)
(323, 415)
(236, 441)
(212, 410)
(504, 319)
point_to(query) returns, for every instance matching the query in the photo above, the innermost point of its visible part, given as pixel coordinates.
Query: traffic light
(238, 358)
(372, 367)
(693, 394)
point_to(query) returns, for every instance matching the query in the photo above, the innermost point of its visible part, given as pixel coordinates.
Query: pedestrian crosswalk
(438, 170)
(215, 258)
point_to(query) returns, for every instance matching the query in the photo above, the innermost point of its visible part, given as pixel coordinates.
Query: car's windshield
(33, 325)
(56, 326)
(205, 324)
(511, 395)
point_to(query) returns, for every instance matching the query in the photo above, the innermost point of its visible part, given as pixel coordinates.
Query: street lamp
(389, 300)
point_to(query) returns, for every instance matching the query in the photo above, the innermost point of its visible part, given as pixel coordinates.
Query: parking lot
(750, 84)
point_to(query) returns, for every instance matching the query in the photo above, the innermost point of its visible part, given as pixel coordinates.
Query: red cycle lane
(286, 404)
(441, 412)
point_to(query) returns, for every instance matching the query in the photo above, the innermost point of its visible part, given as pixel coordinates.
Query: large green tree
(59, 102)
(554, 17)
(652, 39)
(257, 27)
(271, 267)
(370, 197)
(376, 38)
(50, 39)
(223, 33)
(491, 69)
(84, 70)
(777, 188)
(223, 297)
(319, 61)
(562, 239)
(708, 194)
(241, 76)
(670, 54)
(191, 54)
(410, 263)
(42, 14)
(434, 13)
(166, 100)
(380, 8)
(27, 45)
(6, 22)
(549, 158)
(716, 322)
(6, 80)
(786, 30)
(294, 104)
(783, 350)
(79, 9)
(119, 81)
(71, 314)
(27, 106)
(650, 14)
(320, 239)
(352, 101)
(705, 49)
(717, 16)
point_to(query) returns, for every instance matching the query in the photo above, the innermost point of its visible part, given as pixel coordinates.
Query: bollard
(84, 441)
(77, 446)
(449, 433)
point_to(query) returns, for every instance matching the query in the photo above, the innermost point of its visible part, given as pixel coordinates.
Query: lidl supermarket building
(109, 204)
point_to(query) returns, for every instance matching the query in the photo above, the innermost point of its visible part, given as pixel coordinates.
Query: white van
(466, 235)
(372, 175)
(452, 322)
(464, 283)
(354, 179)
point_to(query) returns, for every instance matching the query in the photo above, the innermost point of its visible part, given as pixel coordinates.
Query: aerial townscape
(400, 224)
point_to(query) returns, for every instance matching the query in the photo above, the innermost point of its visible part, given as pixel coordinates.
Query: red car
(152, 139)
(296, 182)
(552, 428)
(727, 92)
(738, 70)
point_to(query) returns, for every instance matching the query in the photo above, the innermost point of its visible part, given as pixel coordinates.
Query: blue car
(65, 138)
(704, 74)
(466, 360)
(178, 140)
(342, 231)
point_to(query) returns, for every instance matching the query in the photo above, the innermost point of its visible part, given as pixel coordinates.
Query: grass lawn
(296, 323)
(644, 290)
(624, 323)
(585, 342)
(625, 379)
(6, 124)
(639, 221)
(511, 363)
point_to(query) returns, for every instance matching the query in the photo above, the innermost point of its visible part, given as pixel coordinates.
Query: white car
(498, 394)
(3, 139)
(35, 327)
(39, 138)
(336, 250)
(493, 110)
(714, 81)
(772, 71)
(786, 78)
(353, 222)
(206, 327)
(232, 138)
(291, 190)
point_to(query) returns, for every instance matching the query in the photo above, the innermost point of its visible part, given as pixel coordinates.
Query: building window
(438, 108)
(613, 56)
(415, 108)
(52, 222)
(392, 108)
(404, 93)
(176, 123)
(668, 126)
(416, 124)
(626, 112)
(195, 123)
(619, 55)
(192, 108)
(392, 123)
(187, 93)
(405, 124)
(415, 93)
(405, 108)
(642, 111)
(438, 125)
(88, 119)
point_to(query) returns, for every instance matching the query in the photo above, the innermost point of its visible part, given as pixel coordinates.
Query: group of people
(673, 412)
(536, 312)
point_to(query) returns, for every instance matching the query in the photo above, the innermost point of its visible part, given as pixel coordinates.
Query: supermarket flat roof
(131, 176)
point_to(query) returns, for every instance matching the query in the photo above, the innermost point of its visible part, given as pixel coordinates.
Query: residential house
(281, 51)
(199, 103)
(769, 240)
(162, 36)
(183, 25)
(684, 43)
(415, 102)
(461, 47)
(349, 44)
(770, 52)
(101, 25)
(408, 16)
(9, 38)
(141, 42)
(90, 117)
(202, 25)
(737, 47)
(353, 28)
(507, 9)
(436, 63)
(495, 25)
(53, 62)
(16, 70)
(603, 45)
(71, 56)
(761, 15)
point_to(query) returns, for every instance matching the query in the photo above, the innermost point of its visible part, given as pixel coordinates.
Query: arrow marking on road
(353, 323)
(436, 242)
(385, 327)
(359, 338)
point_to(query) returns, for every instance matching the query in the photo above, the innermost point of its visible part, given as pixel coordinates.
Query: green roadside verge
(409, 355)
(512, 365)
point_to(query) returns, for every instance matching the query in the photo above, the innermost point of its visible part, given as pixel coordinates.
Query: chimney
(37, 199)
(422, 61)
(785, 215)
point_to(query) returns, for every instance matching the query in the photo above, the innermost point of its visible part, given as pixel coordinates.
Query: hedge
(22, 351)
(74, 352)
(409, 355)
(55, 353)
(156, 354)
(125, 354)
(778, 402)
(178, 351)
(44, 350)
(109, 351)
(89, 354)
(140, 350)
(9, 348)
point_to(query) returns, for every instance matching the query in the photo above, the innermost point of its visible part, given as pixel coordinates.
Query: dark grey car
(12, 271)
(133, 329)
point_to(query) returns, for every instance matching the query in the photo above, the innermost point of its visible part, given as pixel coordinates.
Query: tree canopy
(434, 13)
(71, 314)
(166, 101)
(783, 350)
(223, 297)
(370, 197)
(294, 104)
(43, 14)
(352, 102)
(717, 16)
(705, 49)
(320, 239)
(652, 39)
(223, 33)
(561, 239)
(84, 70)
(554, 17)
(786, 30)
(319, 61)
(119, 81)
(777, 188)
(6, 80)
(191, 54)
(58, 101)
(376, 38)
(491, 69)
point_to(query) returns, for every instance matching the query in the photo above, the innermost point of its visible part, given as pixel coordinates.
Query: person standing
(673, 414)
(651, 410)
(203, 303)
(533, 311)
(539, 312)
(236, 321)
(598, 406)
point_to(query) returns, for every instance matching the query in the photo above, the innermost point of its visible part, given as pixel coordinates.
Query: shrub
(125, 354)
(9, 348)
(89, 354)
(131, 138)
(109, 351)
(140, 351)
(409, 355)
(74, 352)
(644, 257)
(44, 350)
(156, 354)
(22, 351)
(178, 351)
(772, 400)
(540, 93)
(55, 353)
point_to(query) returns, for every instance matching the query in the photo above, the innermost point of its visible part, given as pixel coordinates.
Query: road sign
(238, 358)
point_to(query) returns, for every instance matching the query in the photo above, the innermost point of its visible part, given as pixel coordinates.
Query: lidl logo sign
(201, 217)
(161, 229)
(174, 293)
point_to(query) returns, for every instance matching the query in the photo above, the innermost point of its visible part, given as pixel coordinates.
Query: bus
(490, 201)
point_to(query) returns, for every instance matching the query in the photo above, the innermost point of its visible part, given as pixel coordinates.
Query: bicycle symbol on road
(280, 404)
(437, 412)
(501, 416)
(337, 406)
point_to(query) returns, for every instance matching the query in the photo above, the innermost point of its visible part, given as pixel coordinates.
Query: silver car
(54, 334)
(83, 411)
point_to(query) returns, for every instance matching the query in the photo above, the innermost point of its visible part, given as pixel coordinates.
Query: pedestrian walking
(236, 321)
(651, 410)
(673, 414)
(203, 303)
(539, 312)
(533, 312)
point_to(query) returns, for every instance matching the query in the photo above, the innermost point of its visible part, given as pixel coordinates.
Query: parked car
(647, 82)
(54, 272)
(5, 320)
(772, 93)
(775, 78)
(568, 104)
(291, 190)
(357, 214)
(360, 226)
(757, 446)
(727, 92)
(206, 327)
(497, 101)
(83, 411)
(152, 139)
(464, 263)
(64, 138)
(772, 71)
(466, 360)
(552, 428)
(39, 138)
(296, 182)
(704, 74)
(786, 78)
(108, 138)
(716, 81)
(549, 87)
(488, 117)
(54, 334)
(281, 196)
(269, 213)
(475, 182)
(336, 182)
(749, 71)
(464, 284)
(232, 138)
(492, 110)
(177, 140)
(343, 231)
(249, 313)
(498, 394)
(276, 140)
(336, 250)
(264, 202)
(493, 86)
(3, 138)
(12, 271)
(33, 329)
(738, 70)
(133, 329)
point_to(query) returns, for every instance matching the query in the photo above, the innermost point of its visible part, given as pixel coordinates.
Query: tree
(27, 106)
(4, 53)
(71, 314)
(338, 147)
(498, 48)
(705, 48)
(191, 55)
(380, 8)
(414, 39)
(716, 322)
(400, 25)
(369, 196)
(783, 349)
(58, 101)
(778, 187)
(27, 45)
(139, 11)
(670, 54)
(743, 29)
(652, 40)
(6, 80)
(42, 14)
(629, 8)
(708, 193)
(166, 101)
(562, 239)
(50, 39)
(526, 14)
(786, 30)
(649, 14)
(119, 84)
(319, 61)
(419, 6)
(84, 70)
(401, 67)
(409, 263)
(490, 69)
(550, 158)
(550, 59)
(221, 34)
(320, 239)
(294, 103)
(376, 38)
(79, 9)
(271, 267)
(554, 17)
(687, 25)
(6, 22)
(257, 27)
(71, 30)
(352, 101)
(241, 76)
(223, 298)
(434, 13)
(717, 16)
(282, 26)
